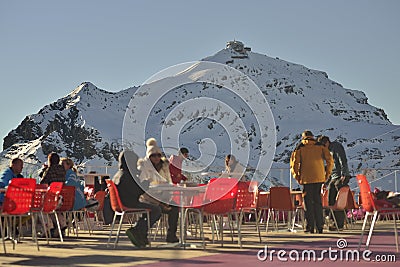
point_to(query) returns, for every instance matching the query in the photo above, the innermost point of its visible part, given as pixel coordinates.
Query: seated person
(14, 171)
(130, 191)
(73, 180)
(155, 169)
(53, 171)
(390, 197)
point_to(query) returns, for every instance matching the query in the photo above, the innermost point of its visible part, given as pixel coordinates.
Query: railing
(104, 169)
(384, 179)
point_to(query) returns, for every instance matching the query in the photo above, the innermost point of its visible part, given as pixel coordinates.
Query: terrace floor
(91, 250)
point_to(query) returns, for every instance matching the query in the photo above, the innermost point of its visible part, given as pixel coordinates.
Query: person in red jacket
(175, 165)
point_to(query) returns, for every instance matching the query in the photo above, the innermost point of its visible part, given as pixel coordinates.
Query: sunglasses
(155, 155)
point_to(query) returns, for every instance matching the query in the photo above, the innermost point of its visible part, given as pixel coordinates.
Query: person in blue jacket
(73, 180)
(14, 171)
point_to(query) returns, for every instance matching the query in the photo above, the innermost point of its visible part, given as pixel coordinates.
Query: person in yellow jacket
(308, 168)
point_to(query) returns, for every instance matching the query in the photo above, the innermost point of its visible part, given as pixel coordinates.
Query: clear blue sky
(47, 48)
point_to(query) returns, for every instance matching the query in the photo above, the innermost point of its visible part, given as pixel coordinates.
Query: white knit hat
(152, 147)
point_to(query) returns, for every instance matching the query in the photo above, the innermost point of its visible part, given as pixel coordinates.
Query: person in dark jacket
(54, 171)
(129, 189)
(340, 176)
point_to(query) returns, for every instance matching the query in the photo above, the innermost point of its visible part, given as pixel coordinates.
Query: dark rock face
(62, 127)
(28, 130)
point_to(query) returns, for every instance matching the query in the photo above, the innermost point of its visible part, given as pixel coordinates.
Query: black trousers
(155, 214)
(313, 206)
(173, 216)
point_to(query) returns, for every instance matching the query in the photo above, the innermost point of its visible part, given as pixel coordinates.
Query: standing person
(130, 191)
(13, 171)
(234, 168)
(340, 176)
(53, 171)
(73, 180)
(175, 165)
(310, 171)
(155, 169)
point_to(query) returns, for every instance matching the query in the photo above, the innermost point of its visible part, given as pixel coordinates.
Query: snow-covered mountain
(86, 125)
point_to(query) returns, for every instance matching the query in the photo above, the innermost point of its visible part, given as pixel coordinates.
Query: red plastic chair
(50, 205)
(68, 200)
(196, 203)
(341, 204)
(38, 199)
(246, 202)
(220, 199)
(325, 198)
(38, 203)
(68, 197)
(373, 210)
(262, 204)
(280, 199)
(120, 210)
(100, 196)
(18, 201)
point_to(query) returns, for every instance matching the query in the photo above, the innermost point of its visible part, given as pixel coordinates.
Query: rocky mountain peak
(86, 125)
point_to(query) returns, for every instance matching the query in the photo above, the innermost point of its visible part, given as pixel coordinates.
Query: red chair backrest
(247, 195)
(351, 202)
(18, 198)
(342, 198)
(198, 200)
(366, 195)
(220, 195)
(280, 198)
(68, 198)
(115, 200)
(324, 197)
(38, 198)
(299, 201)
(100, 196)
(51, 198)
(263, 199)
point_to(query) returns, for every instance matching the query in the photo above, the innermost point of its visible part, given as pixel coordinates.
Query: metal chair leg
(112, 228)
(363, 229)
(371, 229)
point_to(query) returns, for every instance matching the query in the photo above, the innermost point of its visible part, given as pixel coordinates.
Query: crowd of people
(154, 169)
(56, 169)
(314, 163)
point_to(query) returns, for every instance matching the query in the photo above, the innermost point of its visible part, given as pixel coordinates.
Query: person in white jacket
(155, 169)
